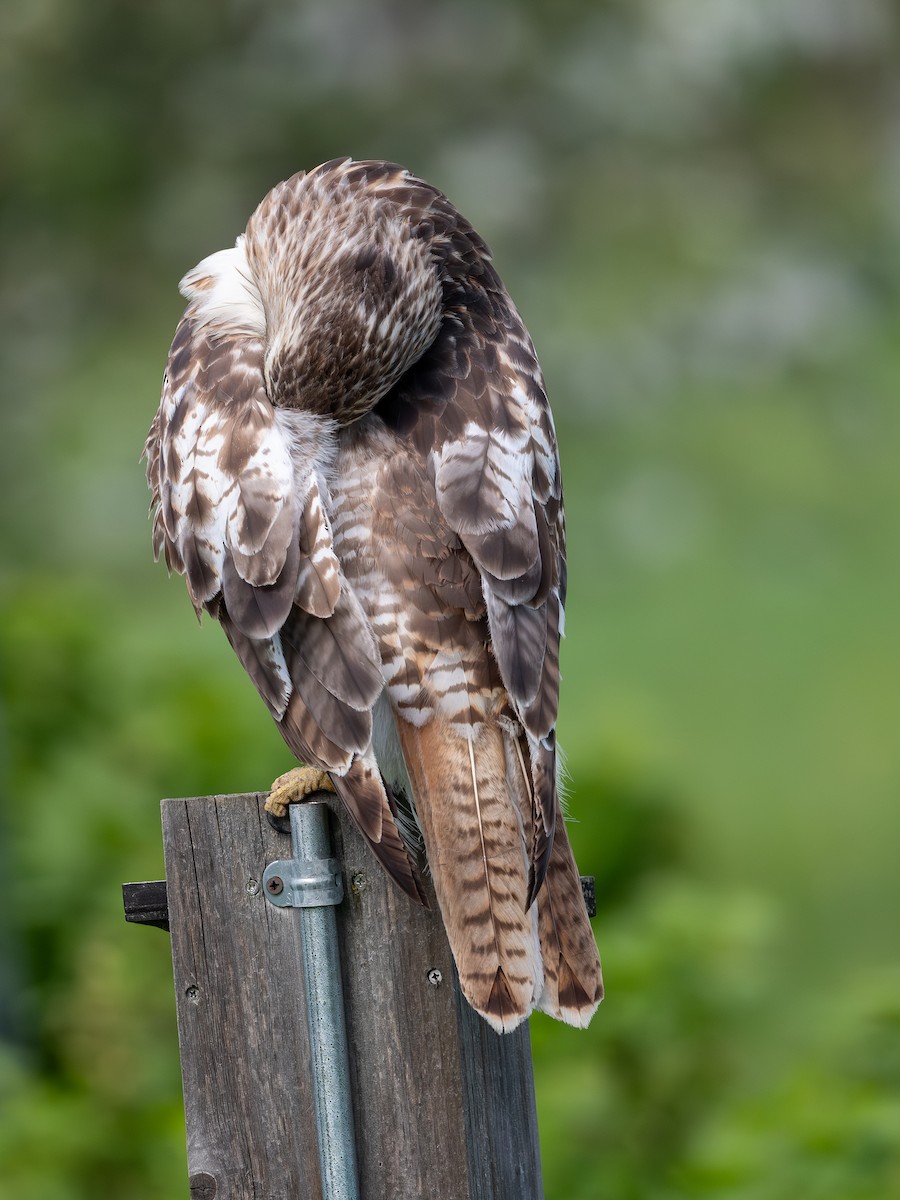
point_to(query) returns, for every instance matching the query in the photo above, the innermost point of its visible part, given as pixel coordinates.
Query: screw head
(275, 885)
(252, 887)
(358, 881)
(435, 978)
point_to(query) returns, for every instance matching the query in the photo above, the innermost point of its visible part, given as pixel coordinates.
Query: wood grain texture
(241, 1015)
(443, 1105)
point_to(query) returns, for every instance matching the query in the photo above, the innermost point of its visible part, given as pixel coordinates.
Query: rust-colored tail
(474, 804)
(476, 853)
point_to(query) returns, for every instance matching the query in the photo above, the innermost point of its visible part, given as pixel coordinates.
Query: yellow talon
(293, 785)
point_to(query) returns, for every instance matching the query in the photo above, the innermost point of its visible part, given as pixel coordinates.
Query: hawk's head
(340, 284)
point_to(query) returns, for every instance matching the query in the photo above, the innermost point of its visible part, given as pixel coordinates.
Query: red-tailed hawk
(355, 467)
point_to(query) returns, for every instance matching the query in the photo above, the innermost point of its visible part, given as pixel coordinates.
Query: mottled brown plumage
(355, 467)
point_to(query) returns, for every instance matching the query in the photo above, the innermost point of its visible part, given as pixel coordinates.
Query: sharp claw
(275, 807)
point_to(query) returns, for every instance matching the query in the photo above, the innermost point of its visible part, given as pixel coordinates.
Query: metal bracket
(146, 903)
(303, 883)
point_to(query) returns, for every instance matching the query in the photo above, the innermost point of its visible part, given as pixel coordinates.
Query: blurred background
(696, 205)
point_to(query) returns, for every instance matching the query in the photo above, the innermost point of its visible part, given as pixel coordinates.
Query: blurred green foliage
(695, 204)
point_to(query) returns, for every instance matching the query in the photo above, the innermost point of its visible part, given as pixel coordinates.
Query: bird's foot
(294, 785)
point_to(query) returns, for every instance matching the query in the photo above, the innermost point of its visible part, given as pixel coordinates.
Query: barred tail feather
(476, 853)
(573, 981)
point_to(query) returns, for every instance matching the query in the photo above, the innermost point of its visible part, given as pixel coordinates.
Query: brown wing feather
(318, 577)
(374, 811)
(339, 651)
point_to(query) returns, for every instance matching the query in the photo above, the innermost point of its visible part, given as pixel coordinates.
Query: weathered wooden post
(443, 1106)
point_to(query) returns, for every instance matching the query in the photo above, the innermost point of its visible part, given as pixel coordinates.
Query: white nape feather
(225, 294)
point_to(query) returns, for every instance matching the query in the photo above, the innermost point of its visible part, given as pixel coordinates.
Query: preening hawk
(355, 467)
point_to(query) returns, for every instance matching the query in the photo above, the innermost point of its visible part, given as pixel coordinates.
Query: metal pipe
(317, 931)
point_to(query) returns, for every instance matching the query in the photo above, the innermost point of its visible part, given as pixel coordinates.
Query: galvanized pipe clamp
(303, 883)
